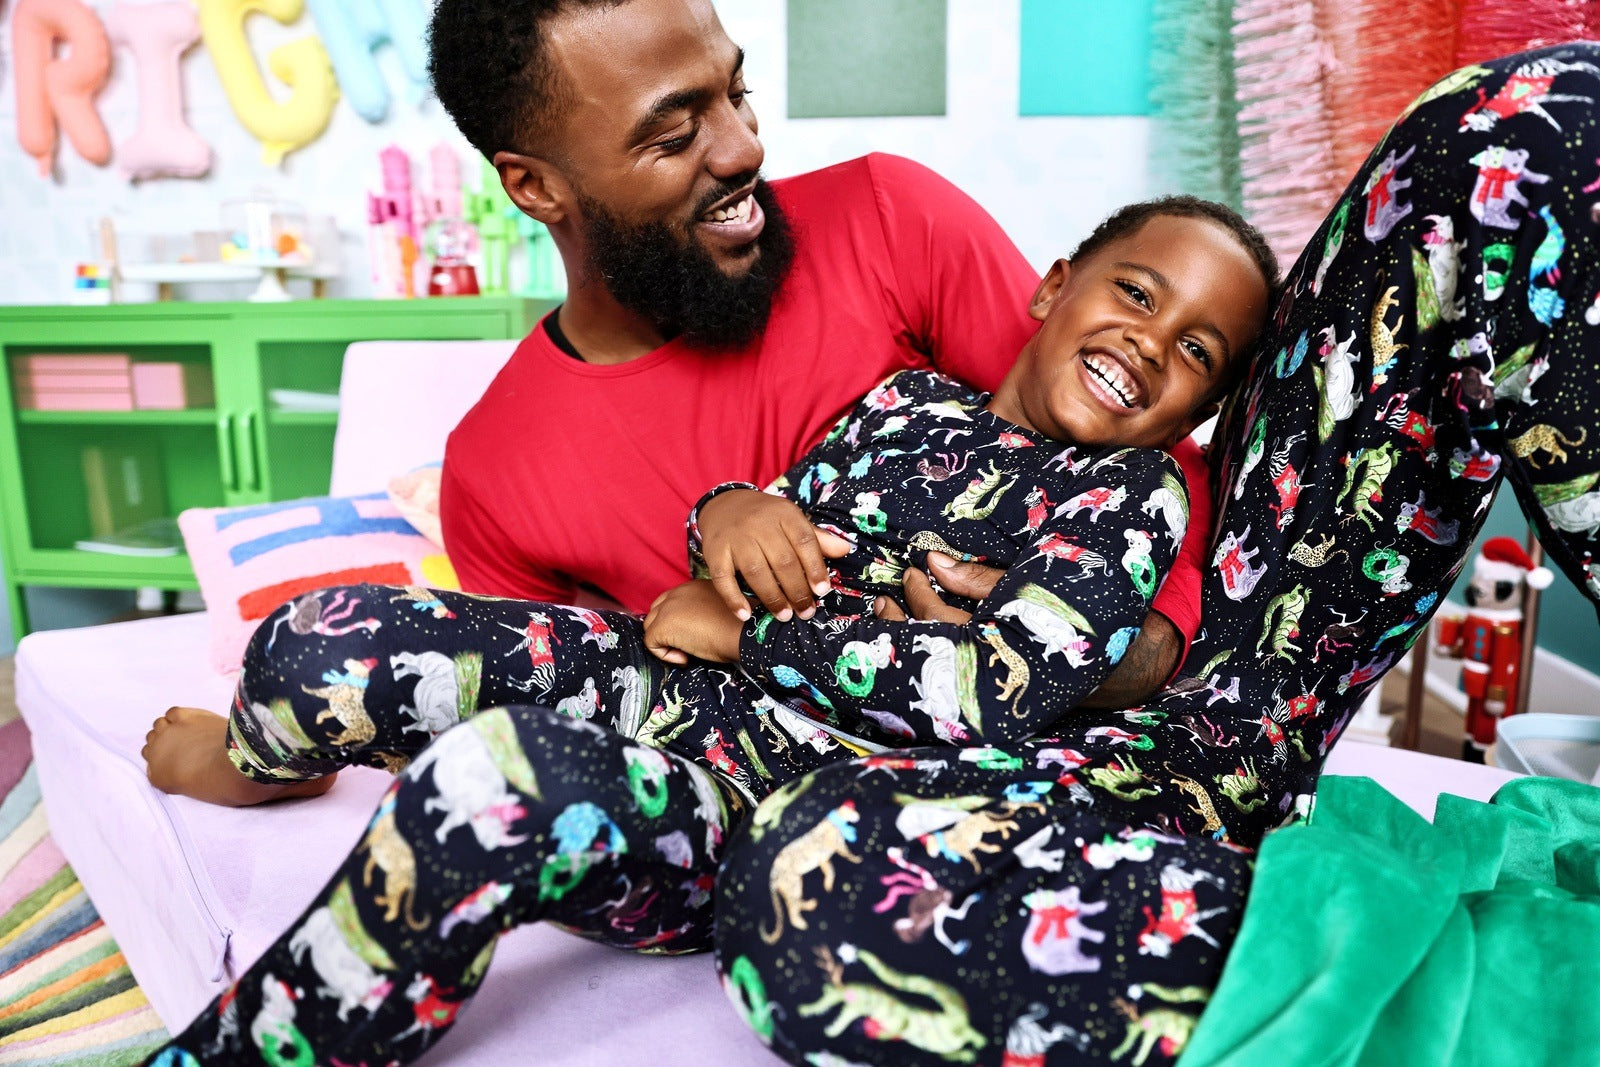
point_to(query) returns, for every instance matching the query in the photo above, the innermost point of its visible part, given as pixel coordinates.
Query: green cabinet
(244, 448)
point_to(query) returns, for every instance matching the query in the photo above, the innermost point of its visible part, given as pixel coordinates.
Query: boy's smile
(1138, 338)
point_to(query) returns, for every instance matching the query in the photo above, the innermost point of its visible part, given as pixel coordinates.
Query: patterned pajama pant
(1072, 900)
(606, 814)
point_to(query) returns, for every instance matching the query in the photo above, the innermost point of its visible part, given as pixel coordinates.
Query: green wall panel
(1085, 57)
(855, 58)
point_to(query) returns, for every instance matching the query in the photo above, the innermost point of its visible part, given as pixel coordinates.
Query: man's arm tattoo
(1145, 667)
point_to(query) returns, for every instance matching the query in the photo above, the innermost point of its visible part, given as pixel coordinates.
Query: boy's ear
(535, 186)
(1194, 419)
(1044, 297)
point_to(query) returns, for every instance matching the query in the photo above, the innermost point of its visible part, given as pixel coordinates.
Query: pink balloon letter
(163, 143)
(53, 91)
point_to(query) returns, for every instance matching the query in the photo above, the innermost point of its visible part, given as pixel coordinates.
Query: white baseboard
(1559, 685)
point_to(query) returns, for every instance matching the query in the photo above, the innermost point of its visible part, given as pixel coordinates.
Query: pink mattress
(194, 893)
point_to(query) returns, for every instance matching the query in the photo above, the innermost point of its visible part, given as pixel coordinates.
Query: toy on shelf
(449, 272)
(486, 209)
(456, 226)
(392, 227)
(91, 283)
(261, 240)
(1487, 638)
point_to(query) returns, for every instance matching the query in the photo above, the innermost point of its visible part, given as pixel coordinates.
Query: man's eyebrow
(679, 100)
(1160, 282)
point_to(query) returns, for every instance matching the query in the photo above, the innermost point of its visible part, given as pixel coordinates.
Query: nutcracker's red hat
(1502, 559)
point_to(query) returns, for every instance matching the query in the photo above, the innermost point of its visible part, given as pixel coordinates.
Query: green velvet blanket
(1373, 938)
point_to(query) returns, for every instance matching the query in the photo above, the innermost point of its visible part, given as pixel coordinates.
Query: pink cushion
(251, 560)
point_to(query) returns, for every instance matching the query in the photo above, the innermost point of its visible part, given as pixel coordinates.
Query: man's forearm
(1145, 667)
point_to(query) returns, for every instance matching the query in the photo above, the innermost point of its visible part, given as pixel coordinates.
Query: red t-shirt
(570, 473)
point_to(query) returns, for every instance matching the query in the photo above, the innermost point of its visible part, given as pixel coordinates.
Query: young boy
(1057, 477)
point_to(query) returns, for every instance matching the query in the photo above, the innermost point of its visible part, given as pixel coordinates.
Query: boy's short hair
(1127, 219)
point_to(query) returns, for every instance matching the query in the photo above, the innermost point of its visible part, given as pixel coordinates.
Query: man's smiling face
(659, 143)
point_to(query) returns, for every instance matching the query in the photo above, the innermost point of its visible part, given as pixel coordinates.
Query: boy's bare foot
(186, 752)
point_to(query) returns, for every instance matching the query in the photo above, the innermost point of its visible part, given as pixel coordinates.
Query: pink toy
(392, 217)
(444, 201)
(54, 92)
(163, 144)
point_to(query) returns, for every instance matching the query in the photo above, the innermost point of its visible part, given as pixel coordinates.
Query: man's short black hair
(493, 74)
(1127, 219)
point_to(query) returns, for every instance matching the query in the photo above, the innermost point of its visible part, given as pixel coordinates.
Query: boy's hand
(691, 620)
(769, 542)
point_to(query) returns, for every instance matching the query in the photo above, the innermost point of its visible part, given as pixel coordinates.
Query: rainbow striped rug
(66, 995)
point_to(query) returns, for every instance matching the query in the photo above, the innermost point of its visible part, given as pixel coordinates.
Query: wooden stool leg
(1416, 687)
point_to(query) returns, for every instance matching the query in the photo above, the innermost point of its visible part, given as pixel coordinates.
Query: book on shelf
(303, 401)
(123, 486)
(73, 363)
(151, 538)
(172, 386)
(74, 399)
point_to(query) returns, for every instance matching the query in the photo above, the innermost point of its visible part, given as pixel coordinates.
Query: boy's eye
(1198, 351)
(737, 96)
(1136, 292)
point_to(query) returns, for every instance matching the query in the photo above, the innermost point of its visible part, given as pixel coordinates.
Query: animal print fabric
(1442, 331)
(516, 815)
(1085, 536)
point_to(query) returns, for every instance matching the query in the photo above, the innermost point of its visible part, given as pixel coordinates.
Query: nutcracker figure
(1488, 638)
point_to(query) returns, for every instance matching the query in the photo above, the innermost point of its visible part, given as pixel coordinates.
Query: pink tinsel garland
(1286, 144)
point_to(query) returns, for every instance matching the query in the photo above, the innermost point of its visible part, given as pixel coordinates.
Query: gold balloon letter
(303, 65)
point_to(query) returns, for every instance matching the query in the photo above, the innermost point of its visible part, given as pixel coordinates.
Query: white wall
(1046, 179)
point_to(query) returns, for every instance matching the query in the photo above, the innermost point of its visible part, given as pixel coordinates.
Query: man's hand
(691, 620)
(971, 580)
(767, 540)
(1143, 670)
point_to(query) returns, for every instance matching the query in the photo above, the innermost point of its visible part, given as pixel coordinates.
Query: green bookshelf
(240, 449)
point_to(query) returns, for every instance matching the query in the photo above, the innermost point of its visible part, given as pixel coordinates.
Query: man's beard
(677, 285)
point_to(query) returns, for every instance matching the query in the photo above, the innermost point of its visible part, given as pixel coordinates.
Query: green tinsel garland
(1194, 137)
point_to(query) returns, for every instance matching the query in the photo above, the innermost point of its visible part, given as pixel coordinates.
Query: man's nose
(735, 148)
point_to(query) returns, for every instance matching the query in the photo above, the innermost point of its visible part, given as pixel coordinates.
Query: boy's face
(1136, 336)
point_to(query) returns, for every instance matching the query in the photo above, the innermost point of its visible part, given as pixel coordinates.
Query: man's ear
(535, 186)
(1044, 297)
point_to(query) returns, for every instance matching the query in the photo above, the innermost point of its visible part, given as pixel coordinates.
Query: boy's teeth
(1113, 377)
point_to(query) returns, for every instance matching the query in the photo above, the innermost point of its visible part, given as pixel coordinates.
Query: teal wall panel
(854, 58)
(1085, 57)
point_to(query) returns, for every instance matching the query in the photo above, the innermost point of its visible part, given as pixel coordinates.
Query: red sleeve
(961, 287)
(484, 558)
(1179, 596)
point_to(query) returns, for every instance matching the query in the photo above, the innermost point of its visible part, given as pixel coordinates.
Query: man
(715, 326)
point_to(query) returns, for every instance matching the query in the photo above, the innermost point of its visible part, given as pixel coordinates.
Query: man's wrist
(1145, 668)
